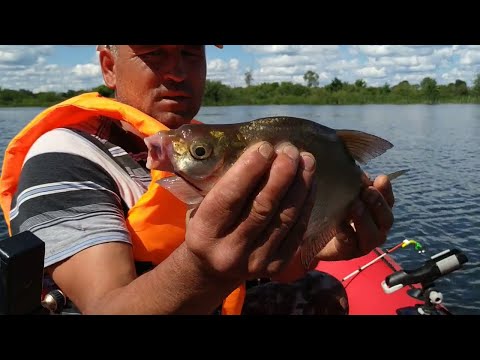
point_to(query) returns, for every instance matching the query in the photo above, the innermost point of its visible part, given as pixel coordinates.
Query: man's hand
(371, 219)
(251, 223)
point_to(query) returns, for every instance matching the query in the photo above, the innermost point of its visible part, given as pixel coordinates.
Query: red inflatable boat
(367, 295)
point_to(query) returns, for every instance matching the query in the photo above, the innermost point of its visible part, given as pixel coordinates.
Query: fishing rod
(418, 247)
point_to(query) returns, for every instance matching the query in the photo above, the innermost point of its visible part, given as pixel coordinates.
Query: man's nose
(176, 69)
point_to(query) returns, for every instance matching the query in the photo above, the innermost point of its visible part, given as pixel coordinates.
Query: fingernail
(266, 150)
(291, 151)
(308, 162)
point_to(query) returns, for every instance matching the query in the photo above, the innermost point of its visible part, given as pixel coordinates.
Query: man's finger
(282, 240)
(258, 215)
(368, 234)
(383, 184)
(343, 246)
(226, 200)
(379, 209)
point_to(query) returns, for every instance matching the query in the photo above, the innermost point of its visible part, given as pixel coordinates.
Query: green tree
(8, 96)
(311, 77)
(461, 88)
(404, 92)
(430, 89)
(476, 85)
(104, 91)
(360, 83)
(385, 89)
(216, 93)
(248, 78)
(335, 85)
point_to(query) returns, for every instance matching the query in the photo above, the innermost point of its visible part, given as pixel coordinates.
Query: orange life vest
(156, 228)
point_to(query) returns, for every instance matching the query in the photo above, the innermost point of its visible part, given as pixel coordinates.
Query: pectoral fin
(396, 174)
(181, 189)
(314, 242)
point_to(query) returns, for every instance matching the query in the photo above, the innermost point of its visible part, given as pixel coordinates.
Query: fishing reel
(436, 267)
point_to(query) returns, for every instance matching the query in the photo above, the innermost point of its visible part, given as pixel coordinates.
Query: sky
(75, 67)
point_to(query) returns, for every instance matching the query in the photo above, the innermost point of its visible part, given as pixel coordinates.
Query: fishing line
(418, 247)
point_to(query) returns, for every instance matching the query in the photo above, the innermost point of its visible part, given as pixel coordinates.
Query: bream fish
(199, 154)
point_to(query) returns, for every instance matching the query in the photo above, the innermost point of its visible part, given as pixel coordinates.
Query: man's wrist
(199, 281)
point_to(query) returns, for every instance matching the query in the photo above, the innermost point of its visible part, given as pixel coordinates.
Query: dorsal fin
(363, 146)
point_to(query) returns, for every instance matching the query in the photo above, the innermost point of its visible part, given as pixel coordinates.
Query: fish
(198, 155)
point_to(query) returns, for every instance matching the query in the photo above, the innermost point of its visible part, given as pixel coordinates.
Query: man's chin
(172, 120)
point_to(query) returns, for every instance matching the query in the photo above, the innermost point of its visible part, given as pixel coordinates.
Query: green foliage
(385, 89)
(22, 97)
(311, 78)
(104, 91)
(335, 85)
(337, 92)
(248, 78)
(216, 93)
(360, 83)
(476, 86)
(430, 90)
(461, 88)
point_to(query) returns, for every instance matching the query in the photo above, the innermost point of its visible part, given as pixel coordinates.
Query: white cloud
(412, 78)
(281, 70)
(286, 60)
(228, 72)
(446, 51)
(470, 57)
(422, 67)
(319, 50)
(35, 67)
(272, 49)
(396, 50)
(343, 65)
(371, 72)
(233, 64)
(382, 50)
(217, 65)
(455, 74)
(87, 70)
(23, 55)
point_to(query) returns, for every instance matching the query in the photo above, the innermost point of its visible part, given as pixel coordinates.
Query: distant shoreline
(287, 93)
(273, 104)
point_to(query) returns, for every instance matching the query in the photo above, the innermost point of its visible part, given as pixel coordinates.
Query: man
(84, 190)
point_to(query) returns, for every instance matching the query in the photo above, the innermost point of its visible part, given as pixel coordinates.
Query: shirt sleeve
(67, 200)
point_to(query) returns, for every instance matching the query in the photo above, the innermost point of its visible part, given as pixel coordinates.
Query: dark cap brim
(100, 47)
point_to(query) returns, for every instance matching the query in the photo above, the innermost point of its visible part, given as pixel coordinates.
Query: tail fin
(396, 174)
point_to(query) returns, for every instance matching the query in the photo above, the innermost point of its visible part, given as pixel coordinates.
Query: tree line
(337, 92)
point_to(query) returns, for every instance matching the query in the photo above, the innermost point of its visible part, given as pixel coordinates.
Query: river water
(437, 201)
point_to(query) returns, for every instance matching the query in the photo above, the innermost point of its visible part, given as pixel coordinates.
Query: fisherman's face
(166, 82)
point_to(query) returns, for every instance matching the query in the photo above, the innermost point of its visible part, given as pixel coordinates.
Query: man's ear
(107, 64)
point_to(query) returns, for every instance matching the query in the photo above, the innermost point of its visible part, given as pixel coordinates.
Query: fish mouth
(159, 150)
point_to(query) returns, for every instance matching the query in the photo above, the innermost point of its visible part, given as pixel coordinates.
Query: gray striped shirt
(75, 191)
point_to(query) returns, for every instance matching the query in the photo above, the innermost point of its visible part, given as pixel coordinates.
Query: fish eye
(200, 151)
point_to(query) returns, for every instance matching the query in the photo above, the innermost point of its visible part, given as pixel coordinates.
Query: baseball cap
(99, 47)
